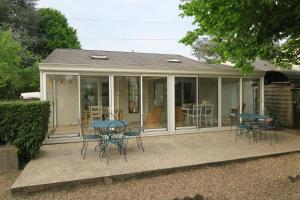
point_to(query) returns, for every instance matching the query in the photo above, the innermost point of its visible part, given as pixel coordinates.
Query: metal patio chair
(137, 134)
(270, 130)
(113, 136)
(86, 138)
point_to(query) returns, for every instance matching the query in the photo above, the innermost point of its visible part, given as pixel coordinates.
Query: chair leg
(141, 143)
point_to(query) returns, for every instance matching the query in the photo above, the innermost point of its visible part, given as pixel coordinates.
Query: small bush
(25, 125)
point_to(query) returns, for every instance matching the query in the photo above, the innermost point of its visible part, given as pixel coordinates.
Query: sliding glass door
(155, 104)
(94, 93)
(186, 111)
(230, 99)
(127, 99)
(208, 102)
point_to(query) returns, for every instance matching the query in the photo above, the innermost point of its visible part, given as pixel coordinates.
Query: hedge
(25, 125)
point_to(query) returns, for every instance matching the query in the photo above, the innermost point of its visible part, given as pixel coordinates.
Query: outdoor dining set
(255, 126)
(109, 132)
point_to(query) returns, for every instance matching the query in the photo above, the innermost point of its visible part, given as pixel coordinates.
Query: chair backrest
(95, 112)
(197, 110)
(156, 111)
(208, 109)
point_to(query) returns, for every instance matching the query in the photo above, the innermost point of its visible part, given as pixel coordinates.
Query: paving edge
(136, 175)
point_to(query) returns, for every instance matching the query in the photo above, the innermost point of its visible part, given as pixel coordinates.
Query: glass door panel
(251, 96)
(208, 102)
(127, 99)
(185, 102)
(155, 102)
(94, 92)
(230, 99)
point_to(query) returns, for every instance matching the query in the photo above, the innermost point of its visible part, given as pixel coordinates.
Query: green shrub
(25, 125)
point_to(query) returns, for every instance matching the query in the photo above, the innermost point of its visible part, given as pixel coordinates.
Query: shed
(282, 96)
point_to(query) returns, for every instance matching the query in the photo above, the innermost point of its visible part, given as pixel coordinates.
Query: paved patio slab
(61, 164)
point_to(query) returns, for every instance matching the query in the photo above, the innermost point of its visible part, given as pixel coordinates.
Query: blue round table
(108, 124)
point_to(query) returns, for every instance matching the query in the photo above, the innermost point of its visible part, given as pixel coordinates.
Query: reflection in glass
(230, 99)
(185, 102)
(155, 102)
(208, 102)
(127, 99)
(251, 96)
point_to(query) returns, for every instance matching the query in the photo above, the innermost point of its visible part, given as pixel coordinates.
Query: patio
(62, 164)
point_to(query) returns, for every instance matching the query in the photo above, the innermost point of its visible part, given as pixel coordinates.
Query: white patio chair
(192, 114)
(95, 113)
(208, 114)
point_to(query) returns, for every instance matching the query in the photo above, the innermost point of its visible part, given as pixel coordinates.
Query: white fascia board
(56, 67)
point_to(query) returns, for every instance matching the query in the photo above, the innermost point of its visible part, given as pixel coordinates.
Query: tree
(13, 77)
(204, 49)
(55, 32)
(10, 58)
(21, 17)
(244, 30)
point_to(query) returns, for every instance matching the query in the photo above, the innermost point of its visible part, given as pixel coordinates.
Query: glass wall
(94, 93)
(230, 99)
(155, 102)
(208, 102)
(251, 96)
(127, 99)
(185, 102)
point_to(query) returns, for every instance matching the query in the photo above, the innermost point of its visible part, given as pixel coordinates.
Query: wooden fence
(278, 100)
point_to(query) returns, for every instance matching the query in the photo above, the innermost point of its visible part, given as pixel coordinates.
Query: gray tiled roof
(119, 58)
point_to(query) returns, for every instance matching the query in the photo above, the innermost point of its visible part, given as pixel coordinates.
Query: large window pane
(185, 102)
(208, 102)
(230, 98)
(94, 93)
(155, 102)
(127, 99)
(251, 96)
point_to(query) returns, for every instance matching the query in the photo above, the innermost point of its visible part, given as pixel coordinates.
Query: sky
(151, 26)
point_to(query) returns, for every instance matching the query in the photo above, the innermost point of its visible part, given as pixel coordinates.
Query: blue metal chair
(114, 136)
(268, 129)
(137, 135)
(86, 138)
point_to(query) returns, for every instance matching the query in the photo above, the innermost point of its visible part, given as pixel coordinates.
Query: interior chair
(193, 113)
(208, 114)
(95, 113)
(237, 109)
(179, 115)
(153, 117)
(86, 137)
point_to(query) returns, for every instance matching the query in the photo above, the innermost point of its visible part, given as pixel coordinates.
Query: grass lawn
(265, 178)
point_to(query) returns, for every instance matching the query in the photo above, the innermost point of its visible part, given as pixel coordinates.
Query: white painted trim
(141, 102)
(111, 94)
(79, 99)
(219, 102)
(55, 104)
(44, 85)
(171, 103)
(41, 85)
(140, 69)
(262, 95)
(241, 95)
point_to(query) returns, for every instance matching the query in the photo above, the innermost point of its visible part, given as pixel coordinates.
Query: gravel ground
(265, 178)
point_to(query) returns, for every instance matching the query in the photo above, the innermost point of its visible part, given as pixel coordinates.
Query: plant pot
(8, 158)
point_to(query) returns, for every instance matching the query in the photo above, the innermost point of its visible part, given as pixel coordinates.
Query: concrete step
(61, 140)
(65, 135)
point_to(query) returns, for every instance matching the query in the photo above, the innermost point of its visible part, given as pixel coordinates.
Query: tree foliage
(244, 30)
(27, 35)
(13, 78)
(204, 49)
(55, 32)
